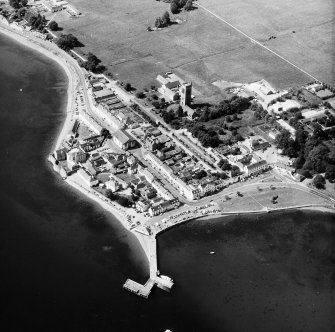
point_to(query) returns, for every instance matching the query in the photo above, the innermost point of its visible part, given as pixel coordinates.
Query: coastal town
(153, 159)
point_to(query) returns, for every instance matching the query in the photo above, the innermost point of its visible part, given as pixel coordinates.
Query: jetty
(138, 289)
(155, 279)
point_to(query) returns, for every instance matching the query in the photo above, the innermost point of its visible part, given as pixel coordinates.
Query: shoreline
(69, 65)
(72, 81)
(40, 46)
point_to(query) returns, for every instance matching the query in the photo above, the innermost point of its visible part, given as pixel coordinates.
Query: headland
(109, 150)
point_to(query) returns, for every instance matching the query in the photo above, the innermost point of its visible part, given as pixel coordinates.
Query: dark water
(63, 260)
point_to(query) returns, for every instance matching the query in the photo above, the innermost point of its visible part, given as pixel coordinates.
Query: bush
(319, 182)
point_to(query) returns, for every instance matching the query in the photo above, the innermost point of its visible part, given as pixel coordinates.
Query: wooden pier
(160, 281)
(138, 289)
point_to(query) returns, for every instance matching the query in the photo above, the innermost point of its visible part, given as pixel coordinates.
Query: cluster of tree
(163, 21)
(259, 112)
(158, 104)
(208, 137)
(201, 174)
(16, 4)
(35, 21)
(123, 201)
(235, 171)
(228, 108)
(221, 175)
(67, 42)
(224, 165)
(314, 153)
(93, 64)
(170, 116)
(246, 159)
(328, 121)
(177, 5)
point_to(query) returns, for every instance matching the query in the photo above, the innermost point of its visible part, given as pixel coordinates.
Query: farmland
(203, 49)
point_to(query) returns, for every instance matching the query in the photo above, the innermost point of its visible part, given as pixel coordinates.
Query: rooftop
(122, 136)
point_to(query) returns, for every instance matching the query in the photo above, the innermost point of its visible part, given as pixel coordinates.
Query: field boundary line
(258, 43)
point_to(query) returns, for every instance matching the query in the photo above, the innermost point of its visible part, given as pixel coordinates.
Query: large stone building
(75, 156)
(256, 167)
(174, 88)
(123, 140)
(185, 94)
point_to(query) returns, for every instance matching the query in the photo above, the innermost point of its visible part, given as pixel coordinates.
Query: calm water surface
(63, 259)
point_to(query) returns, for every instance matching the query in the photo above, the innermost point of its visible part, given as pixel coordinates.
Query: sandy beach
(55, 54)
(61, 58)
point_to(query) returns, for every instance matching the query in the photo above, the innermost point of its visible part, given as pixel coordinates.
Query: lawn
(203, 49)
(256, 200)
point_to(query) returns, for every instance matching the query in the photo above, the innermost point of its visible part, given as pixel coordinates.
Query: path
(257, 42)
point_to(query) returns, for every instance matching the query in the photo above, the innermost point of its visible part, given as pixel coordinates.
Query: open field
(311, 47)
(254, 200)
(203, 49)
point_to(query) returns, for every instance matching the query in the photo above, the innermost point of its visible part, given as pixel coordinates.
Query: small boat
(212, 252)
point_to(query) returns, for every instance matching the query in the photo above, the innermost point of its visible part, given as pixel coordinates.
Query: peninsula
(158, 157)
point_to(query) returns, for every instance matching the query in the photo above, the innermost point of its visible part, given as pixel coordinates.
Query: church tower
(185, 94)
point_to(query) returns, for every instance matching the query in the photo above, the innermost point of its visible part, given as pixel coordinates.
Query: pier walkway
(155, 278)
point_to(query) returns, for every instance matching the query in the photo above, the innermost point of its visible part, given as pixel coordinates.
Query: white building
(75, 156)
(88, 179)
(123, 140)
(256, 167)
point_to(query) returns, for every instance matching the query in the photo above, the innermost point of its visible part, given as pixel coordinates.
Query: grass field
(256, 200)
(203, 49)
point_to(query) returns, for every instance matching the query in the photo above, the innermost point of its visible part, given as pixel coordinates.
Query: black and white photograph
(167, 165)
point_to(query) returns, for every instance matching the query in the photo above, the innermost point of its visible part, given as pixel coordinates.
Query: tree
(224, 165)
(221, 131)
(110, 195)
(319, 181)
(166, 19)
(16, 4)
(105, 132)
(53, 26)
(93, 64)
(158, 22)
(128, 87)
(235, 171)
(330, 173)
(180, 112)
(67, 42)
(299, 162)
(189, 5)
(140, 94)
(123, 201)
(22, 12)
(174, 7)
